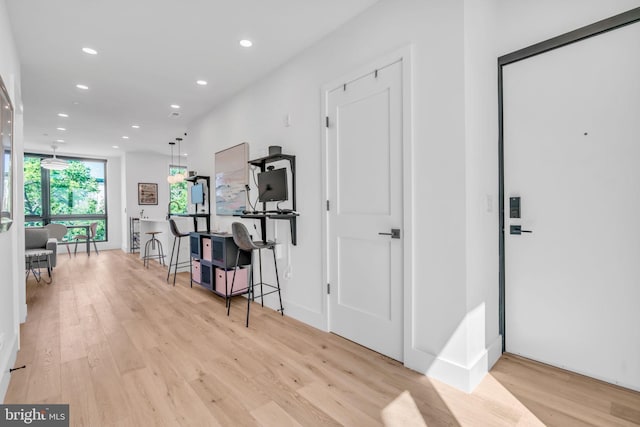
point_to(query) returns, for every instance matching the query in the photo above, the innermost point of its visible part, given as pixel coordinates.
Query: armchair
(38, 238)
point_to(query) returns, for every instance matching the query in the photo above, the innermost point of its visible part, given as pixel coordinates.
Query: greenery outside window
(74, 196)
(178, 191)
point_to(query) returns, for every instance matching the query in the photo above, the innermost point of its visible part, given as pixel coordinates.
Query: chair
(58, 231)
(40, 251)
(92, 237)
(177, 235)
(243, 240)
(153, 243)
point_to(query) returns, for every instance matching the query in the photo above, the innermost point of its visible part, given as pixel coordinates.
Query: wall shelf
(194, 179)
(292, 217)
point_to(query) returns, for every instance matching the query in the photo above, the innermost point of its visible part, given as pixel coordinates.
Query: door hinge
(326, 121)
(328, 206)
(328, 288)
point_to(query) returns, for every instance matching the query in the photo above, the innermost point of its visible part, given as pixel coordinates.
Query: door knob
(395, 233)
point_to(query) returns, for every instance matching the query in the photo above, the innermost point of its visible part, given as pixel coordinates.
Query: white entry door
(572, 156)
(365, 191)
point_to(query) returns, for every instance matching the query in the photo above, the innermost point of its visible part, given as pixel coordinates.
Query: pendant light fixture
(171, 179)
(54, 163)
(179, 177)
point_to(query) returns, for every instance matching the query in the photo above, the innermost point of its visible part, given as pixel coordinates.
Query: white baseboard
(465, 378)
(305, 315)
(23, 313)
(7, 360)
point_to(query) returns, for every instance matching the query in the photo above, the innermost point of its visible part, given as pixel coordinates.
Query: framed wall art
(147, 193)
(232, 177)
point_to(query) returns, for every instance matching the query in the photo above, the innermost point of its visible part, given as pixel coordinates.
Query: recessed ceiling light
(135, 126)
(125, 137)
(115, 146)
(202, 82)
(175, 106)
(63, 115)
(246, 43)
(83, 87)
(60, 140)
(89, 51)
(61, 128)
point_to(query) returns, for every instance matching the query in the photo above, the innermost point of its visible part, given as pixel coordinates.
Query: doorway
(365, 245)
(569, 150)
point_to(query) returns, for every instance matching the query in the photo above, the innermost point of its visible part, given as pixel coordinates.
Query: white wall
(143, 167)
(455, 258)
(525, 22)
(481, 135)
(11, 243)
(114, 204)
(435, 29)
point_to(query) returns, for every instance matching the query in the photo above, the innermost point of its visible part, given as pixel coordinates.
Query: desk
(33, 255)
(165, 237)
(86, 229)
(290, 216)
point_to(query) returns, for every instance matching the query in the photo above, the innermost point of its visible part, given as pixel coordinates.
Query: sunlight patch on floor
(500, 406)
(402, 412)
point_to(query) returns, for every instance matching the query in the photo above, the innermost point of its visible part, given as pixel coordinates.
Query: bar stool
(243, 240)
(177, 235)
(153, 242)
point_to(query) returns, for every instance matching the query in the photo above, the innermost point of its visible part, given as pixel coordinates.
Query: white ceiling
(150, 54)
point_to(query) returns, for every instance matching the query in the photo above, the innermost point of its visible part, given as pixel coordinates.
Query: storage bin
(240, 285)
(206, 249)
(195, 271)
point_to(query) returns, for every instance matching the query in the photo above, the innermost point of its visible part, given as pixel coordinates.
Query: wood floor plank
(125, 354)
(124, 348)
(333, 402)
(272, 415)
(71, 347)
(107, 385)
(79, 393)
(44, 372)
(179, 395)
(147, 399)
(224, 405)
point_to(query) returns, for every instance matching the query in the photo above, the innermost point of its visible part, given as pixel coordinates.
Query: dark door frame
(600, 27)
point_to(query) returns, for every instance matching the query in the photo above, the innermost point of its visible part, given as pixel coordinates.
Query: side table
(33, 260)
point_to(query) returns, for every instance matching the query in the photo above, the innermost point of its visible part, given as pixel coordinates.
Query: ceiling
(150, 55)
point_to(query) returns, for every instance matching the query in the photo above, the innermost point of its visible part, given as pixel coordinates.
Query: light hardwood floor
(122, 347)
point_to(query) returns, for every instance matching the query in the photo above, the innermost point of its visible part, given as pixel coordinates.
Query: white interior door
(365, 189)
(572, 154)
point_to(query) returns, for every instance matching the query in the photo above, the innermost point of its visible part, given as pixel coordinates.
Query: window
(178, 191)
(74, 196)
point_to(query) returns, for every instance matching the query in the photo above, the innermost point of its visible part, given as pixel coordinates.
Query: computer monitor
(197, 194)
(272, 186)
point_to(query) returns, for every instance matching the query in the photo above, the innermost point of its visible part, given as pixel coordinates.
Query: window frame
(183, 170)
(45, 196)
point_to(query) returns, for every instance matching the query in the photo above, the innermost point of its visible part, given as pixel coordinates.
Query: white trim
(465, 378)
(305, 315)
(602, 378)
(404, 55)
